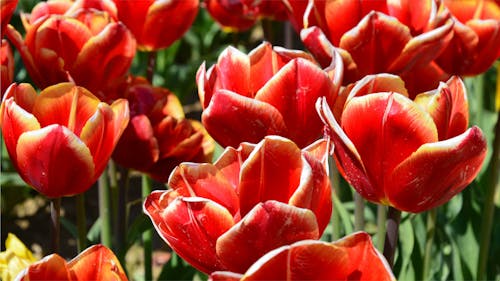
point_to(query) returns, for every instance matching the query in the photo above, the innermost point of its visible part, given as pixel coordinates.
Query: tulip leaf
(93, 235)
(177, 269)
(140, 224)
(407, 241)
(345, 217)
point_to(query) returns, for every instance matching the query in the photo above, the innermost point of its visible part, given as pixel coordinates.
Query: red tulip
(6, 66)
(268, 92)
(412, 155)
(251, 200)
(352, 258)
(476, 41)
(241, 15)
(157, 24)
(158, 137)
(63, 124)
(7, 8)
(85, 46)
(95, 263)
(402, 37)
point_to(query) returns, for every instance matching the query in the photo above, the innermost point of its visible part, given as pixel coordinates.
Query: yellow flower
(15, 258)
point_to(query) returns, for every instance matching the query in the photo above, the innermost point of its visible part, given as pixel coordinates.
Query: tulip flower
(401, 37)
(271, 91)
(85, 46)
(15, 258)
(7, 8)
(95, 263)
(411, 155)
(157, 24)
(63, 124)
(476, 40)
(241, 15)
(6, 66)
(351, 258)
(158, 137)
(251, 200)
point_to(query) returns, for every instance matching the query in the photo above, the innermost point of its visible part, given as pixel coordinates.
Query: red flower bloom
(412, 155)
(352, 258)
(95, 263)
(476, 40)
(7, 8)
(252, 200)
(85, 44)
(157, 24)
(63, 124)
(268, 92)
(400, 37)
(158, 137)
(6, 66)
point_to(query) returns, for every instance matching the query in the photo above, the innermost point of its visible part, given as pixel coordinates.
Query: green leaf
(140, 224)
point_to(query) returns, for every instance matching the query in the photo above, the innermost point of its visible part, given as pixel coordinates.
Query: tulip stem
(150, 69)
(147, 235)
(429, 241)
(391, 236)
(55, 214)
(492, 186)
(381, 219)
(104, 209)
(81, 222)
(359, 212)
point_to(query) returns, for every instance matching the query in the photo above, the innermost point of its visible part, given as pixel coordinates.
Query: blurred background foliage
(454, 252)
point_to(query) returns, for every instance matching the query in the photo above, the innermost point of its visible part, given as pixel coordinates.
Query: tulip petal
(264, 64)
(43, 156)
(110, 53)
(412, 13)
(206, 181)
(185, 222)
(271, 172)
(378, 83)
(385, 128)
(233, 72)
(318, 44)
(448, 107)
(231, 119)
(230, 161)
(96, 263)
(52, 267)
(363, 43)
(225, 276)
(65, 104)
(488, 32)
(267, 226)
(436, 172)
(293, 91)
(303, 260)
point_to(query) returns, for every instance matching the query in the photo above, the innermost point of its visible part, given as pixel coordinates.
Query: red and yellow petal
(271, 172)
(232, 119)
(436, 172)
(52, 267)
(96, 263)
(184, 222)
(43, 156)
(267, 226)
(204, 180)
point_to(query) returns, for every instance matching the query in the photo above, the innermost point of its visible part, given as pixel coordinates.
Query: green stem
(104, 209)
(81, 222)
(121, 224)
(381, 219)
(429, 242)
(335, 181)
(151, 66)
(147, 236)
(489, 205)
(114, 198)
(391, 236)
(55, 215)
(359, 212)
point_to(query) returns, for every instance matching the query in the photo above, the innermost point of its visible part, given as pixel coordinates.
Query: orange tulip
(63, 124)
(251, 200)
(411, 155)
(271, 91)
(402, 37)
(85, 46)
(476, 40)
(158, 137)
(7, 8)
(352, 258)
(157, 24)
(95, 263)
(6, 66)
